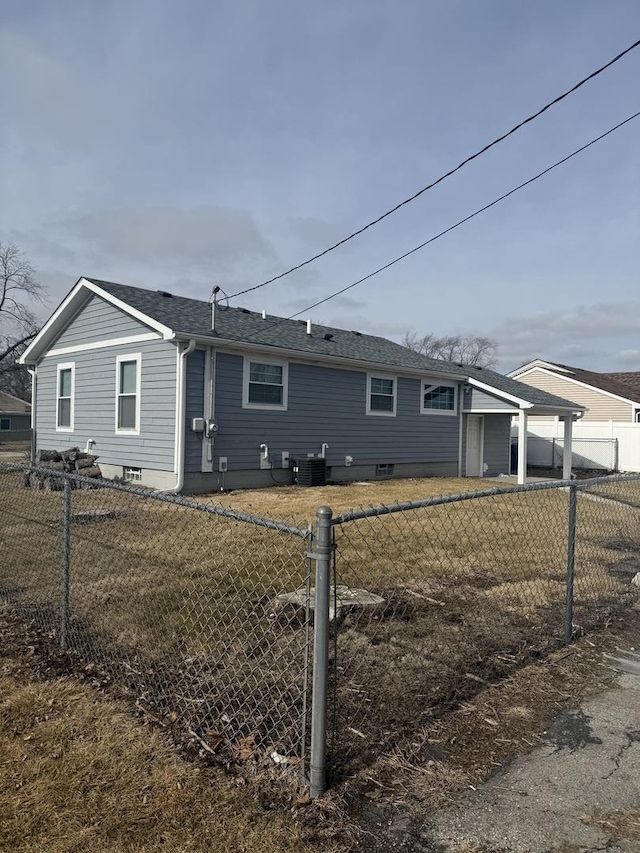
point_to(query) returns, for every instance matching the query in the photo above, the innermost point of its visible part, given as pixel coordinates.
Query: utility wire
(443, 177)
(452, 227)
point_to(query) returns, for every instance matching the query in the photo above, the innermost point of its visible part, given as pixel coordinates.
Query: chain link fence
(208, 613)
(176, 600)
(470, 587)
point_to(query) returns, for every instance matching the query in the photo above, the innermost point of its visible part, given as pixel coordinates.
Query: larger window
(128, 393)
(265, 384)
(5, 423)
(64, 397)
(438, 399)
(381, 395)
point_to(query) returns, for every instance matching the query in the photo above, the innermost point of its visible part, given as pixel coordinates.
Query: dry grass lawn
(78, 774)
(186, 598)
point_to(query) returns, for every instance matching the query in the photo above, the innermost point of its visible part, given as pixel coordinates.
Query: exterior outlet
(222, 464)
(285, 458)
(348, 461)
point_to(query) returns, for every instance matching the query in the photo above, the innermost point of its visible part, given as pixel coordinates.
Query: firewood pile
(71, 461)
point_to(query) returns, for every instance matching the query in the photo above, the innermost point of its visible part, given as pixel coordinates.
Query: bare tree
(19, 289)
(461, 349)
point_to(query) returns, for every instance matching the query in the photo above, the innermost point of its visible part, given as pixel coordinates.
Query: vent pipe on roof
(308, 327)
(214, 297)
(264, 313)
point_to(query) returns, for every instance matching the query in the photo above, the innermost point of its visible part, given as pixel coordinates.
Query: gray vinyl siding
(194, 404)
(94, 404)
(477, 400)
(497, 444)
(98, 320)
(20, 427)
(327, 405)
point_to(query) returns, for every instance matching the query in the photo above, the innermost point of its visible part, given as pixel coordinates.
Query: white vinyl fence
(597, 445)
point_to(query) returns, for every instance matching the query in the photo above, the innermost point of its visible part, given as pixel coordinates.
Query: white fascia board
(244, 347)
(490, 411)
(475, 383)
(67, 309)
(111, 342)
(538, 362)
(556, 410)
(591, 388)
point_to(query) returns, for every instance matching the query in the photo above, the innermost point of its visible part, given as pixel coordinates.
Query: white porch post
(566, 462)
(522, 447)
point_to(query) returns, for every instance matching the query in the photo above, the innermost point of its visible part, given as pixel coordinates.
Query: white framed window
(5, 423)
(439, 398)
(128, 393)
(265, 384)
(381, 394)
(65, 395)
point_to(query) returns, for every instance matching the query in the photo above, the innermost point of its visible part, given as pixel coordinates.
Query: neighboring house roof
(630, 380)
(609, 382)
(13, 405)
(184, 318)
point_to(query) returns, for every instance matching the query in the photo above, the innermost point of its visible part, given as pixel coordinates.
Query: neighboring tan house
(604, 396)
(608, 434)
(15, 419)
(183, 395)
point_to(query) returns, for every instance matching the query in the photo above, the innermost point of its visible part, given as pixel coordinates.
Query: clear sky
(182, 145)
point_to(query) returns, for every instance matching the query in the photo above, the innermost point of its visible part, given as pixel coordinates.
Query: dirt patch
(481, 735)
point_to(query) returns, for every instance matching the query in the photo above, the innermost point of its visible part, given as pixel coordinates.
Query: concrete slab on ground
(589, 763)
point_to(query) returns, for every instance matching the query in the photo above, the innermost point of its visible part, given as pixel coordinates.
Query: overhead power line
(456, 225)
(443, 177)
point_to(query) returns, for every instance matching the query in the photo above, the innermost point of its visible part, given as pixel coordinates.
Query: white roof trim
(538, 362)
(589, 387)
(523, 404)
(67, 308)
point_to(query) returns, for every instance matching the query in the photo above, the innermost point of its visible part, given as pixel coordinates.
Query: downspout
(181, 397)
(461, 390)
(34, 397)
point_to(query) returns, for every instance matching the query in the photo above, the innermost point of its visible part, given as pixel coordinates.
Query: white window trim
(375, 412)
(437, 383)
(67, 365)
(258, 359)
(137, 357)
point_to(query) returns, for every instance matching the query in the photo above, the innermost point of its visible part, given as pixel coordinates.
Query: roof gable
(607, 382)
(9, 403)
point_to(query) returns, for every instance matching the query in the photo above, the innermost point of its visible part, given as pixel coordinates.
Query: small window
(128, 393)
(265, 385)
(64, 397)
(5, 423)
(132, 475)
(384, 470)
(381, 395)
(438, 399)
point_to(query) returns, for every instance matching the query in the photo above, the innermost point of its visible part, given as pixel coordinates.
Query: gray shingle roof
(188, 317)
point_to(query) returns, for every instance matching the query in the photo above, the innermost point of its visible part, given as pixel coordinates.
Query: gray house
(15, 419)
(182, 395)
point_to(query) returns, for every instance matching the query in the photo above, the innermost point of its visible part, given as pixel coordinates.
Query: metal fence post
(66, 559)
(322, 554)
(571, 554)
